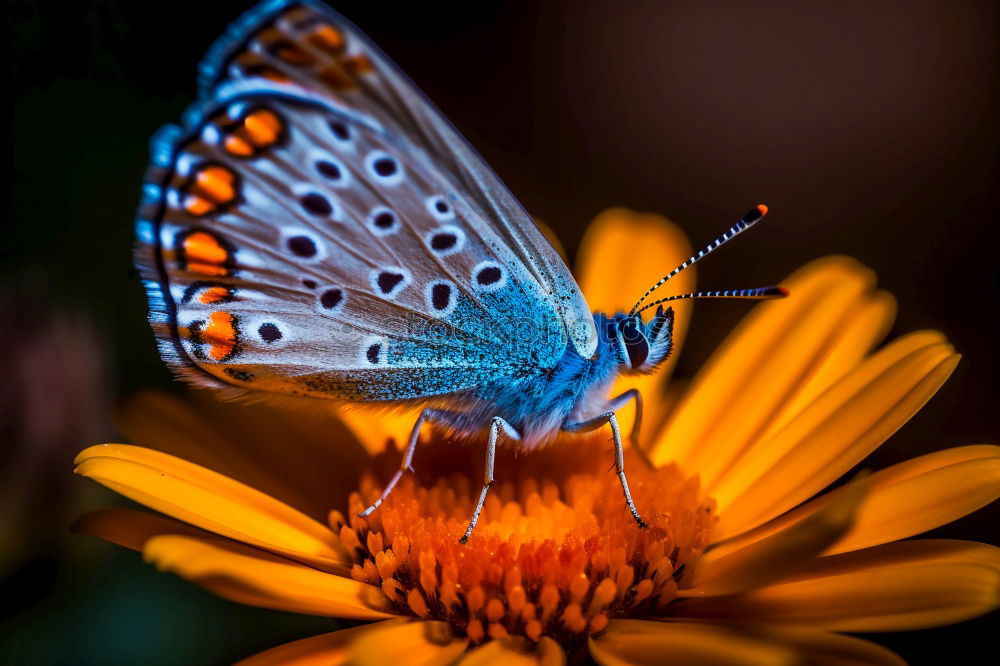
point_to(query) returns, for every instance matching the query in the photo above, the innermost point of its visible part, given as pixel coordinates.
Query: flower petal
(627, 642)
(211, 501)
(131, 528)
(375, 429)
(902, 505)
(418, 643)
(897, 586)
(304, 457)
(781, 348)
(250, 576)
(330, 649)
(624, 253)
(774, 556)
(903, 500)
(614, 270)
(516, 650)
(820, 648)
(833, 434)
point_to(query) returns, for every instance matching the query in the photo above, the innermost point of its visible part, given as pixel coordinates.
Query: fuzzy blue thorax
(576, 388)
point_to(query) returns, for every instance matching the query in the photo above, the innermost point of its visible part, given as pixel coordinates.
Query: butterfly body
(315, 228)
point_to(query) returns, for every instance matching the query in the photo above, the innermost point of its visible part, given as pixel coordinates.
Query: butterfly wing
(307, 45)
(297, 240)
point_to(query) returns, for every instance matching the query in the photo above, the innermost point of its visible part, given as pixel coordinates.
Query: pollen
(556, 553)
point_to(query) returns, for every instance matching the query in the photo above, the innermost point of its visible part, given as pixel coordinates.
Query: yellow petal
(848, 344)
(417, 643)
(628, 642)
(516, 650)
(820, 648)
(898, 586)
(759, 368)
(304, 457)
(211, 501)
(622, 255)
(833, 434)
(131, 528)
(250, 576)
(903, 500)
(778, 554)
(907, 505)
(330, 649)
(374, 428)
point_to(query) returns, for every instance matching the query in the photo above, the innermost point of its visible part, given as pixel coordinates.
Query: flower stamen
(555, 552)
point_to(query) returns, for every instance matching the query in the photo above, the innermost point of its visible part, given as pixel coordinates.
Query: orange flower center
(555, 552)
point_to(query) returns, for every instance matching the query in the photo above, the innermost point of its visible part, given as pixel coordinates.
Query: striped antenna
(742, 225)
(756, 293)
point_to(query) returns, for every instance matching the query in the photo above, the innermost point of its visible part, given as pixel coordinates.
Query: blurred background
(870, 129)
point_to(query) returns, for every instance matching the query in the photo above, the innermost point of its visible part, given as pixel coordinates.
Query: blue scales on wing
(315, 227)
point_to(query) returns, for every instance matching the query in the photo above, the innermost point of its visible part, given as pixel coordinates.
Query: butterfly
(314, 227)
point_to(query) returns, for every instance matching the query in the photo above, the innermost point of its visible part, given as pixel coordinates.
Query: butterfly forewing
(307, 46)
(304, 234)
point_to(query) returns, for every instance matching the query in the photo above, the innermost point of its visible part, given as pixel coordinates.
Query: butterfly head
(641, 346)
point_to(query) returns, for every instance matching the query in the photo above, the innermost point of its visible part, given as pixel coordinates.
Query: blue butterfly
(316, 228)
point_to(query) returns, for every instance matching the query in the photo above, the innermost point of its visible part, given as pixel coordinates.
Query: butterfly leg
(620, 401)
(496, 425)
(429, 416)
(612, 420)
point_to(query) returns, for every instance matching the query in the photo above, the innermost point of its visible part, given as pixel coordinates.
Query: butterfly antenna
(744, 223)
(757, 293)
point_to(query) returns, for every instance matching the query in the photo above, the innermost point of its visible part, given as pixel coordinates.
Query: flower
(746, 559)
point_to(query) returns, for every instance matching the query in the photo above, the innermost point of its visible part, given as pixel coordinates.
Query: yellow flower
(742, 562)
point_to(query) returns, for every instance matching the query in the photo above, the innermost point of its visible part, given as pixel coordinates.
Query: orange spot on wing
(203, 253)
(357, 64)
(264, 127)
(216, 183)
(293, 54)
(336, 79)
(197, 205)
(215, 295)
(209, 188)
(259, 130)
(220, 334)
(238, 146)
(326, 37)
(252, 65)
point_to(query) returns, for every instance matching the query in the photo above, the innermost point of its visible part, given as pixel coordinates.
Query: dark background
(870, 129)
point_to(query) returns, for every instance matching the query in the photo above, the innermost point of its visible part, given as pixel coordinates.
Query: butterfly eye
(635, 343)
